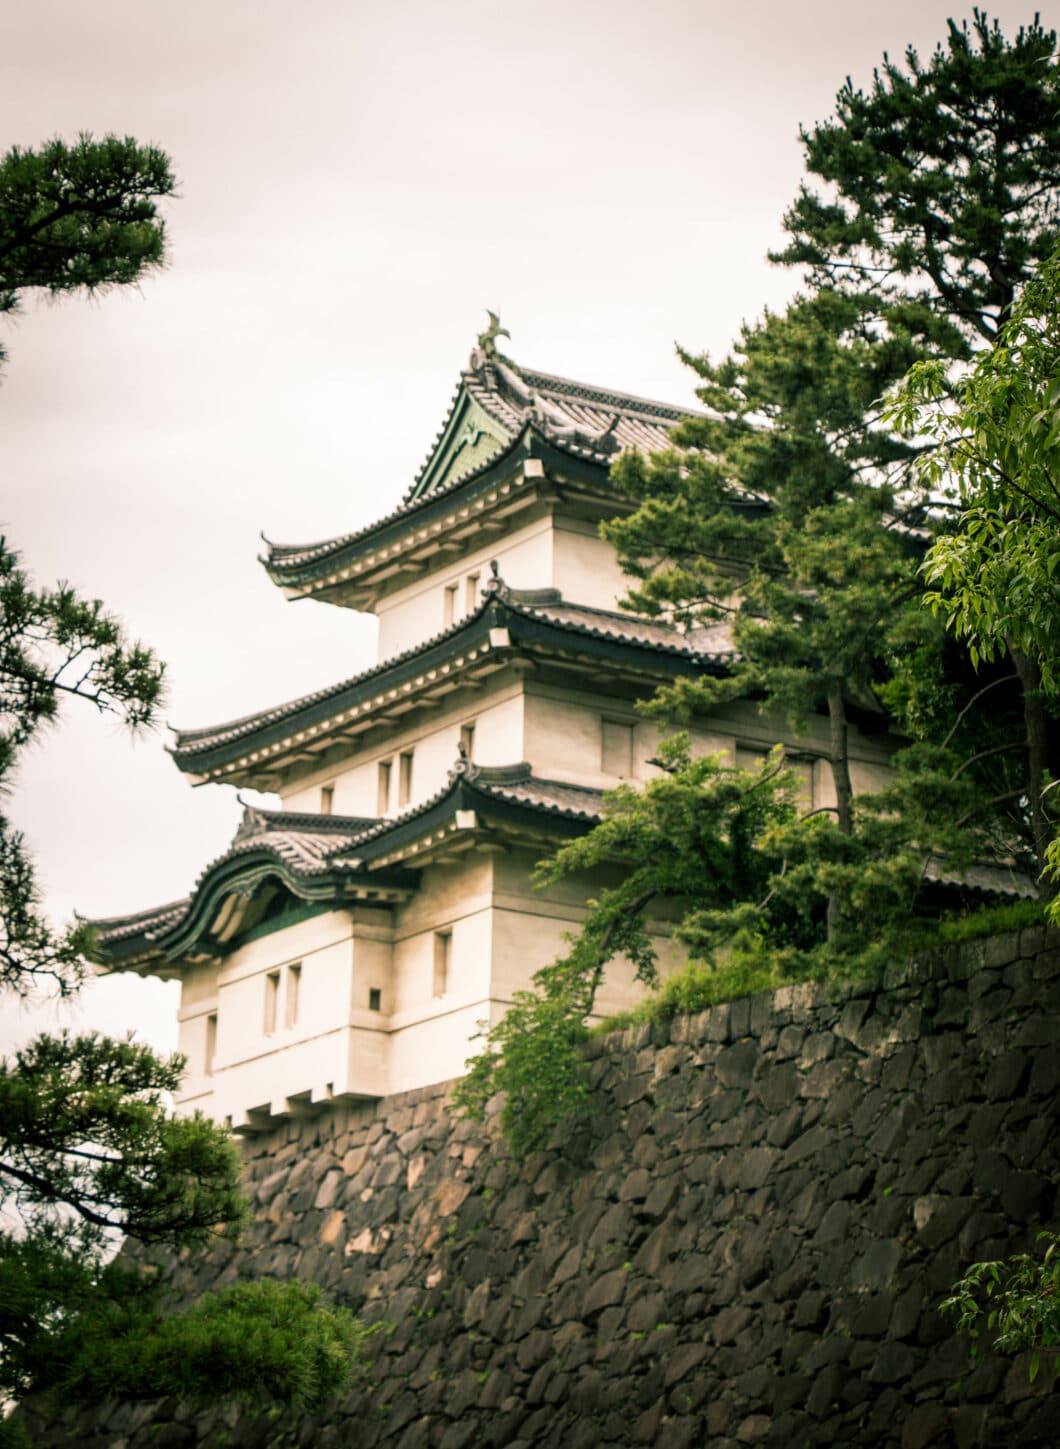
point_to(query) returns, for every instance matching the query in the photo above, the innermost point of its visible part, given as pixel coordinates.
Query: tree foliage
(80, 217)
(1016, 1301)
(278, 1342)
(995, 439)
(773, 512)
(89, 1146)
(699, 833)
(995, 447)
(787, 525)
(54, 645)
(941, 181)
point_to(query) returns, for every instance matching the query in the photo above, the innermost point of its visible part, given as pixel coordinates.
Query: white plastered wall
(497, 714)
(253, 1067)
(585, 568)
(414, 614)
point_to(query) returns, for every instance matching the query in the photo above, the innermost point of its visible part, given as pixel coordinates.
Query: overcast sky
(358, 182)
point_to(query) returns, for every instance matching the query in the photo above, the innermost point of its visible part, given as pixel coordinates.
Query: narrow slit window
(294, 989)
(617, 749)
(375, 999)
(449, 604)
(443, 951)
(383, 802)
(327, 799)
(467, 740)
(471, 599)
(405, 778)
(272, 999)
(211, 1044)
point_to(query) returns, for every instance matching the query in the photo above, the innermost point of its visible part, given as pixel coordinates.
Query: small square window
(404, 778)
(471, 601)
(467, 740)
(443, 951)
(375, 999)
(383, 796)
(294, 989)
(449, 604)
(211, 1044)
(327, 799)
(272, 1000)
(617, 749)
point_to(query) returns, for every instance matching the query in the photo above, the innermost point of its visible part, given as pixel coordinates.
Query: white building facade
(351, 944)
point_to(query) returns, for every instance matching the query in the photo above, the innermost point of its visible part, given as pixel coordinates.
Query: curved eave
(379, 869)
(496, 633)
(210, 924)
(393, 545)
(469, 811)
(377, 544)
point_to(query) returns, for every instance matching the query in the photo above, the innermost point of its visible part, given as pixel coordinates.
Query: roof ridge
(606, 395)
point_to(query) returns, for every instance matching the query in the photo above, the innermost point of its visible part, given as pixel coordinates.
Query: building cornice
(506, 625)
(338, 862)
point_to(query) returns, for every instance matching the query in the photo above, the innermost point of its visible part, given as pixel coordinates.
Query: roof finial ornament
(488, 339)
(495, 587)
(485, 349)
(464, 768)
(252, 823)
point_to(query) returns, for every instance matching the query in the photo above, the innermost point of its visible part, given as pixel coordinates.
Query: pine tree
(89, 1147)
(943, 193)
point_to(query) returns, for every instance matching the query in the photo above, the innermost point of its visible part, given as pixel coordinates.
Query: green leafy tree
(699, 834)
(787, 513)
(1016, 1300)
(54, 645)
(995, 436)
(282, 1341)
(89, 1147)
(942, 193)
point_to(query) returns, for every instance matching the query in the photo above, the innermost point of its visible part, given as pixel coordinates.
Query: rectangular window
(327, 799)
(449, 604)
(211, 1043)
(383, 803)
(272, 998)
(404, 778)
(375, 999)
(471, 599)
(443, 950)
(467, 739)
(616, 755)
(294, 987)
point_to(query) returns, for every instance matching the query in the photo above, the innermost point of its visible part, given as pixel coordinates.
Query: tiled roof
(112, 929)
(590, 423)
(635, 629)
(575, 802)
(543, 606)
(191, 742)
(313, 845)
(991, 880)
(306, 844)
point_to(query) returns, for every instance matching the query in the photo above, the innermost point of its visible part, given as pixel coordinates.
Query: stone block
(1000, 950)
(607, 1290)
(926, 1424)
(876, 1267)
(735, 1064)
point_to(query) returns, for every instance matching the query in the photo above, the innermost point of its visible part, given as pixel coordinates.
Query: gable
(468, 439)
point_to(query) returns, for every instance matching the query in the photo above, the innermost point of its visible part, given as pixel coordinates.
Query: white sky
(358, 182)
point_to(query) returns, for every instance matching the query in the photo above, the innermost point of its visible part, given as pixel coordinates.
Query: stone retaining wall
(747, 1248)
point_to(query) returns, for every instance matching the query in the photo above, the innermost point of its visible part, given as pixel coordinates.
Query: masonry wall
(747, 1246)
